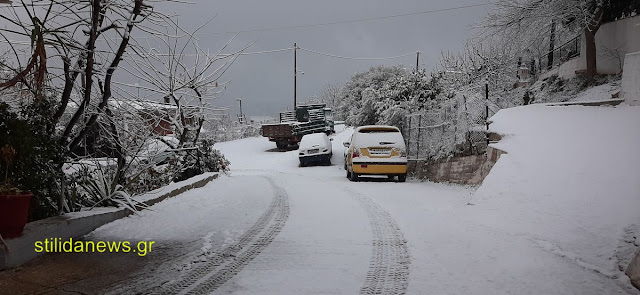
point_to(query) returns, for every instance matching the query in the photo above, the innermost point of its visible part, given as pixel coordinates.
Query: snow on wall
(631, 79)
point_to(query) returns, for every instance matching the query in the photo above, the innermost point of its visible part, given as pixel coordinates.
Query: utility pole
(241, 115)
(295, 75)
(417, 61)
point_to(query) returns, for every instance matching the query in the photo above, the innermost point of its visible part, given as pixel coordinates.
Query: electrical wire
(355, 58)
(348, 21)
(215, 54)
(289, 49)
(262, 52)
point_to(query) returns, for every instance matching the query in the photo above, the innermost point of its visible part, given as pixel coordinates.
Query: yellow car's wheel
(354, 176)
(402, 177)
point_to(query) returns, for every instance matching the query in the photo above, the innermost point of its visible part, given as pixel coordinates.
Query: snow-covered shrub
(96, 183)
(361, 92)
(246, 131)
(152, 177)
(213, 160)
(201, 159)
(101, 188)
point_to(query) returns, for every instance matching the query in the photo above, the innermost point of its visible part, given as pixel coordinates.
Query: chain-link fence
(459, 128)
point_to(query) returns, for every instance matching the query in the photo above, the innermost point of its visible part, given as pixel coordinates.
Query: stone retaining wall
(633, 271)
(462, 170)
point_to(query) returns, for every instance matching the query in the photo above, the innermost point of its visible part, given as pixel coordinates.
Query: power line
(348, 21)
(356, 58)
(216, 54)
(268, 51)
(280, 50)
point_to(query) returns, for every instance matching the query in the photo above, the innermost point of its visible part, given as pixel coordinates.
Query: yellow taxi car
(376, 150)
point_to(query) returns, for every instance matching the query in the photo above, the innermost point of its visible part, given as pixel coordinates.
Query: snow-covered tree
(533, 23)
(386, 95)
(360, 93)
(80, 57)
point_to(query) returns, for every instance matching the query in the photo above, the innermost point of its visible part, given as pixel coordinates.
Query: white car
(315, 148)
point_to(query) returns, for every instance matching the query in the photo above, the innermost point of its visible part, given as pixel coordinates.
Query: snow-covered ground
(559, 90)
(547, 220)
(569, 183)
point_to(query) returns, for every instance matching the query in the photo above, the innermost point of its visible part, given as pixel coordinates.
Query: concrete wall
(462, 170)
(566, 70)
(22, 249)
(613, 41)
(630, 91)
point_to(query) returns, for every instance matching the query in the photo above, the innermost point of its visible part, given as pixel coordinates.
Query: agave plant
(102, 188)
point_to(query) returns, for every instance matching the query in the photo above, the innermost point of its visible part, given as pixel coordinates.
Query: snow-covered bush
(386, 95)
(361, 92)
(102, 189)
(201, 159)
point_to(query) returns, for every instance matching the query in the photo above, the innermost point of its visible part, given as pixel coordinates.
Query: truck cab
(306, 119)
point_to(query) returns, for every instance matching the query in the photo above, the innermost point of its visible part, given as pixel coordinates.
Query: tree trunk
(552, 44)
(590, 42)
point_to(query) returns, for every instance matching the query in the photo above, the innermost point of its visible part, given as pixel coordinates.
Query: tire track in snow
(390, 258)
(229, 261)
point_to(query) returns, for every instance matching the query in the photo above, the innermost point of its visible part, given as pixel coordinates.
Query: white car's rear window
(315, 139)
(379, 138)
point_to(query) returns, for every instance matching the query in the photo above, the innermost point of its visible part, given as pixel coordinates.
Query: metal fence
(560, 54)
(459, 128)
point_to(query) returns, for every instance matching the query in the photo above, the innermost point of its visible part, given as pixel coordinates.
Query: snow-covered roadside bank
(569, 185)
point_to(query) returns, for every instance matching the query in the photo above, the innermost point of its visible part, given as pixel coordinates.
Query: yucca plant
(103, 189)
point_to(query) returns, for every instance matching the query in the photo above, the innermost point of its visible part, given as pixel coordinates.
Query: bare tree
(493, 63)
(173, 67)
(331, 94)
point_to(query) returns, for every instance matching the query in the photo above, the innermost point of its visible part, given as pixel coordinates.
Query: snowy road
(271, 227)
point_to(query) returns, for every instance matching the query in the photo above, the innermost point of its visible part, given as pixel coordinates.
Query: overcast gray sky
(265, 82)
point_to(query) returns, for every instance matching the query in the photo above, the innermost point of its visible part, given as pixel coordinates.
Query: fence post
(419, 131)
(409, 137)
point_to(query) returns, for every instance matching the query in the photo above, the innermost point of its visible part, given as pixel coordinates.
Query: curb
(65, 227)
